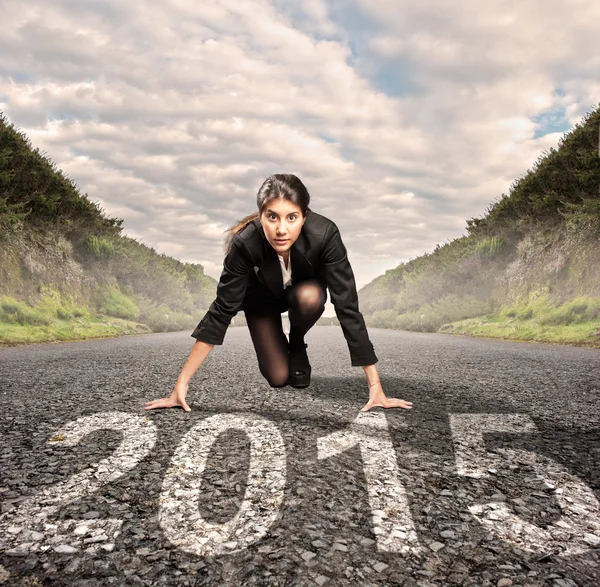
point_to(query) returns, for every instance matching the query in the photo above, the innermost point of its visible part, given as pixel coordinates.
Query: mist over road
(493, 475)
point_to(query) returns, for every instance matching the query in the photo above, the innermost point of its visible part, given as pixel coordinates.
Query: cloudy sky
(403, 120)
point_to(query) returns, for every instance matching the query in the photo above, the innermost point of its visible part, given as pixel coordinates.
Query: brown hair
(280, 185)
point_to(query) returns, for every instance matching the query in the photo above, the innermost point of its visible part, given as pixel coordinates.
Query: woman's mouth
(281, 241)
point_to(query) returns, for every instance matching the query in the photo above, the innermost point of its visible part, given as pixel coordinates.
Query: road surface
(492, 478)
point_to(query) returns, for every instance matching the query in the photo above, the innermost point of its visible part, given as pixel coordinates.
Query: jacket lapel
(301, 267)
(270, 270)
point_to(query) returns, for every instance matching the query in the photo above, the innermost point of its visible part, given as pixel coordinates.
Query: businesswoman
(283, 257)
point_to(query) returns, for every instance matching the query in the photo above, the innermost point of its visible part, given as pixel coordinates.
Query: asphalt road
(492, 478)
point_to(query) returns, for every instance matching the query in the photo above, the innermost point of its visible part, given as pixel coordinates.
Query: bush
(536, 304)
(450, 308)
(17, 312)
(112, 302)
(54, 303)
(12, 217)
(421, 320)
(581, 309)
(100, 248)
(540, 308)
(490, 247)
(383, 318)
(162, 318)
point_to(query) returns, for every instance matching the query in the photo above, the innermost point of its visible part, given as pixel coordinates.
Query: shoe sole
(299, 381)
(299, 384)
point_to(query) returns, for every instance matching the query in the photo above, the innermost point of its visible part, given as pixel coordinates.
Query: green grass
(50, 306)
(535, 317)
(538, 319)
(110, 300)
(430, 317)
(56, 317)
(66, 330)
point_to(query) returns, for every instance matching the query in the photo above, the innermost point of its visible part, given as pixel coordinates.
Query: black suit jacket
(252, 276)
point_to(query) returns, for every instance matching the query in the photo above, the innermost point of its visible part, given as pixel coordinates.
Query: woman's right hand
(177, 398)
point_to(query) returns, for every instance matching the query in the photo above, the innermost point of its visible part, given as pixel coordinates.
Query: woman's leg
(270, 344)
(306, 301)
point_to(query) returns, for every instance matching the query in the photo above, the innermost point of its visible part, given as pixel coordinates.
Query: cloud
(402, 119)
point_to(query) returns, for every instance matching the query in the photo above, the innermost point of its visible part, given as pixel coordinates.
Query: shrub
(383, 318)
(100, 248)
(490, 247)
(12, 217)
(581, 309)
(450, 308)
(17, 312)
(112, 302)
(54, 303)
(162, 318)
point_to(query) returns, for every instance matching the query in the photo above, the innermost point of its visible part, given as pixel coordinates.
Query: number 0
(178, 504)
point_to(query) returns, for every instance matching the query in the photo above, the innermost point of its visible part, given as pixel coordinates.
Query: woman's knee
(278, 384)
(277, 381)
(276, 378)
(308, 295)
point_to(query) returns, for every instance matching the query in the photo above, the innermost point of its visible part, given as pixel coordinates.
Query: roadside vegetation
(66, 270)
(528, 269)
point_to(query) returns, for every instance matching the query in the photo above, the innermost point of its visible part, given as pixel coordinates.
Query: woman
(283, 243)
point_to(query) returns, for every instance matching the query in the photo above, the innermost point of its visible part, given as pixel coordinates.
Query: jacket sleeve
(230, 297)
(342, 289)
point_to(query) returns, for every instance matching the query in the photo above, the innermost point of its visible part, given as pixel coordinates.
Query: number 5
(472, 460)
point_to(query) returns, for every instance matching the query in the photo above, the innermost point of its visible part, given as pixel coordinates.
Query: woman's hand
(378, 398)
(177, 398)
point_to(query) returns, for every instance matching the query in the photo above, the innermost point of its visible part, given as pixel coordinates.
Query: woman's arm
(231, 290)
(341, 284)
(199, 352)
(342, 288)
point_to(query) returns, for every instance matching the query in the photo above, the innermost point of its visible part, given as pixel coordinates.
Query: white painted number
(393, 524)
(139, 437)
(178, 505)
(577, 501)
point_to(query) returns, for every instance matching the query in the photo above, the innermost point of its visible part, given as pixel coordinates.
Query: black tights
(306, 302)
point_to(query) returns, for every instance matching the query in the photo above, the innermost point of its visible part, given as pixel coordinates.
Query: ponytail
(233, 230)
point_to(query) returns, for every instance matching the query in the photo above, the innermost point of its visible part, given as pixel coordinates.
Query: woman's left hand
(378, 399)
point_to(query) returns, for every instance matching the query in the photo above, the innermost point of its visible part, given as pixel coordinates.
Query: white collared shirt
(286, 273)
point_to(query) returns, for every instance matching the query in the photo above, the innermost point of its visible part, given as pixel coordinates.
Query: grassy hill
(67, 272)
(528, 269)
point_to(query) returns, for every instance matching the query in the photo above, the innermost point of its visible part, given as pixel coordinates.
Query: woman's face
(282, 222)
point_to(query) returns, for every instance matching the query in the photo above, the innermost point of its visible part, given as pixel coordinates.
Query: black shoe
(300, 368)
